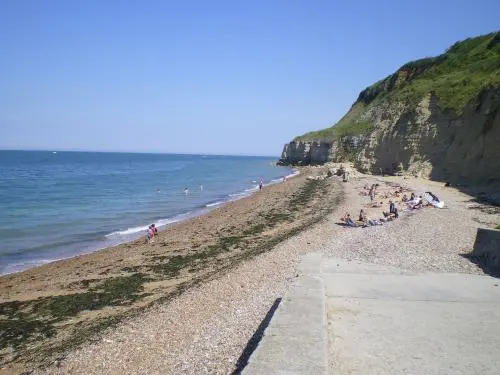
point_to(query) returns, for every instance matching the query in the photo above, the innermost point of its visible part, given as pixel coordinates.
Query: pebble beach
(206, 328)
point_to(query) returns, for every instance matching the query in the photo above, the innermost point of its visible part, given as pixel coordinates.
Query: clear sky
(220, 77)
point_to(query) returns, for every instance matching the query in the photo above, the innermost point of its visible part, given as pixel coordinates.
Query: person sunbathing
(416, 203)
(393, 211)
(347, 220)
(367, 221)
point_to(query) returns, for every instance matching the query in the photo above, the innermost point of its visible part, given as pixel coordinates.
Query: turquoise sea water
(54, 205)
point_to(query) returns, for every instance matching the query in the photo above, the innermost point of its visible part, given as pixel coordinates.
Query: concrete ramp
(354, 318)
(385, 321)
(295, 342)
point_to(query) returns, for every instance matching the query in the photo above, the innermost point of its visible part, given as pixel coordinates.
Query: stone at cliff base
(487, 248)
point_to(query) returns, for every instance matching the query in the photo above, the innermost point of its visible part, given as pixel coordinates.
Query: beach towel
(433, 200)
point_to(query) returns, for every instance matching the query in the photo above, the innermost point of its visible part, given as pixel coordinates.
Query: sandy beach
(190, 302)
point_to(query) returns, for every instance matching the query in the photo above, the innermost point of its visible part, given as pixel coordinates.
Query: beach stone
(487, 247)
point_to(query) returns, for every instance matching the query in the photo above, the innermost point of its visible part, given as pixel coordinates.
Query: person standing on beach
(150, 234)
(186, 191)
(261, 184)
(372, 193)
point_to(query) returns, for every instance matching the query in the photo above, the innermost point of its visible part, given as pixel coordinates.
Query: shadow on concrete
(481, 262)
(255, 339)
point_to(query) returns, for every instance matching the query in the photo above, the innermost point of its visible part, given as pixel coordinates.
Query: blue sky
(220, 77)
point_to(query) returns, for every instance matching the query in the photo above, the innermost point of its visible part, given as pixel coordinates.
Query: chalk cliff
(436, 117)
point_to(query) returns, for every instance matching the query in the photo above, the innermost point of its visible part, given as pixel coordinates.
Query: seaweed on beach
(23, 322)
(305, 194)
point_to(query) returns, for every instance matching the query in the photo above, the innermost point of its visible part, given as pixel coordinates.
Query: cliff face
(437, 117)
(320, 152)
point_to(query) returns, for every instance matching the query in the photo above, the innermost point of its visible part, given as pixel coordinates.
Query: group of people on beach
(151, 233)
(413, 203)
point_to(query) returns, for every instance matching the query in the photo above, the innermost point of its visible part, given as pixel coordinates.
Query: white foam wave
(21, 266)
(127, 231)
(163, 222)
(214, 204)
(237, 195)
(143, 228)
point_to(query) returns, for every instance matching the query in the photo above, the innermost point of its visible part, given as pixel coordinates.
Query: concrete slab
(382, 321)
(296, 340)
(353, 318)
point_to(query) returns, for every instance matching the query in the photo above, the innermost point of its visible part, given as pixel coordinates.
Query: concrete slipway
(352, 318)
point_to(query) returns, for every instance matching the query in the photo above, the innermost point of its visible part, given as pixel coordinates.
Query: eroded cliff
(437, 117)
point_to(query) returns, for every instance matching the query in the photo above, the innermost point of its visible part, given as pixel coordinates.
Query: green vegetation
(456, 77)
(498, 226)
(350, 124)
(29, 321)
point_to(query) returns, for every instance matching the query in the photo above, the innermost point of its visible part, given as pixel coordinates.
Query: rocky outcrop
(423, 139)
(434, 143)
(437, 117)
(306, 153)
(317, 152)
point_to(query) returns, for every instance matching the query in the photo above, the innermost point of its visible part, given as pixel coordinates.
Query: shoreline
(215, 295)
(138, 231)
(63, 303)
(206, 329)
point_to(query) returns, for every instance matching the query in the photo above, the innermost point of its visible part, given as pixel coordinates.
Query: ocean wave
(127, 231)
(252, 189)
(142, 228)
(214, 204)
(21, 266)
(238, 195)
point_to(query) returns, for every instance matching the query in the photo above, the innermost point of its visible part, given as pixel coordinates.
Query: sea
(55, 204)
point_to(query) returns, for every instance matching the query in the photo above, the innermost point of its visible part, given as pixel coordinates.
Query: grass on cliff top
(350, 124)
(456, 77)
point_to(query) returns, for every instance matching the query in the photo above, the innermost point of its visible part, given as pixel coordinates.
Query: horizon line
(131, 152)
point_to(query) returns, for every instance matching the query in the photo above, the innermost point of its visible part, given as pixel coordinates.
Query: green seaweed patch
(273, 217)
(255, 229)
(82, 284)
(173, 266)
(230, 241)
(114, 291)
(306, 194)
(26, 321)
(19, 330)
(133, 269)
